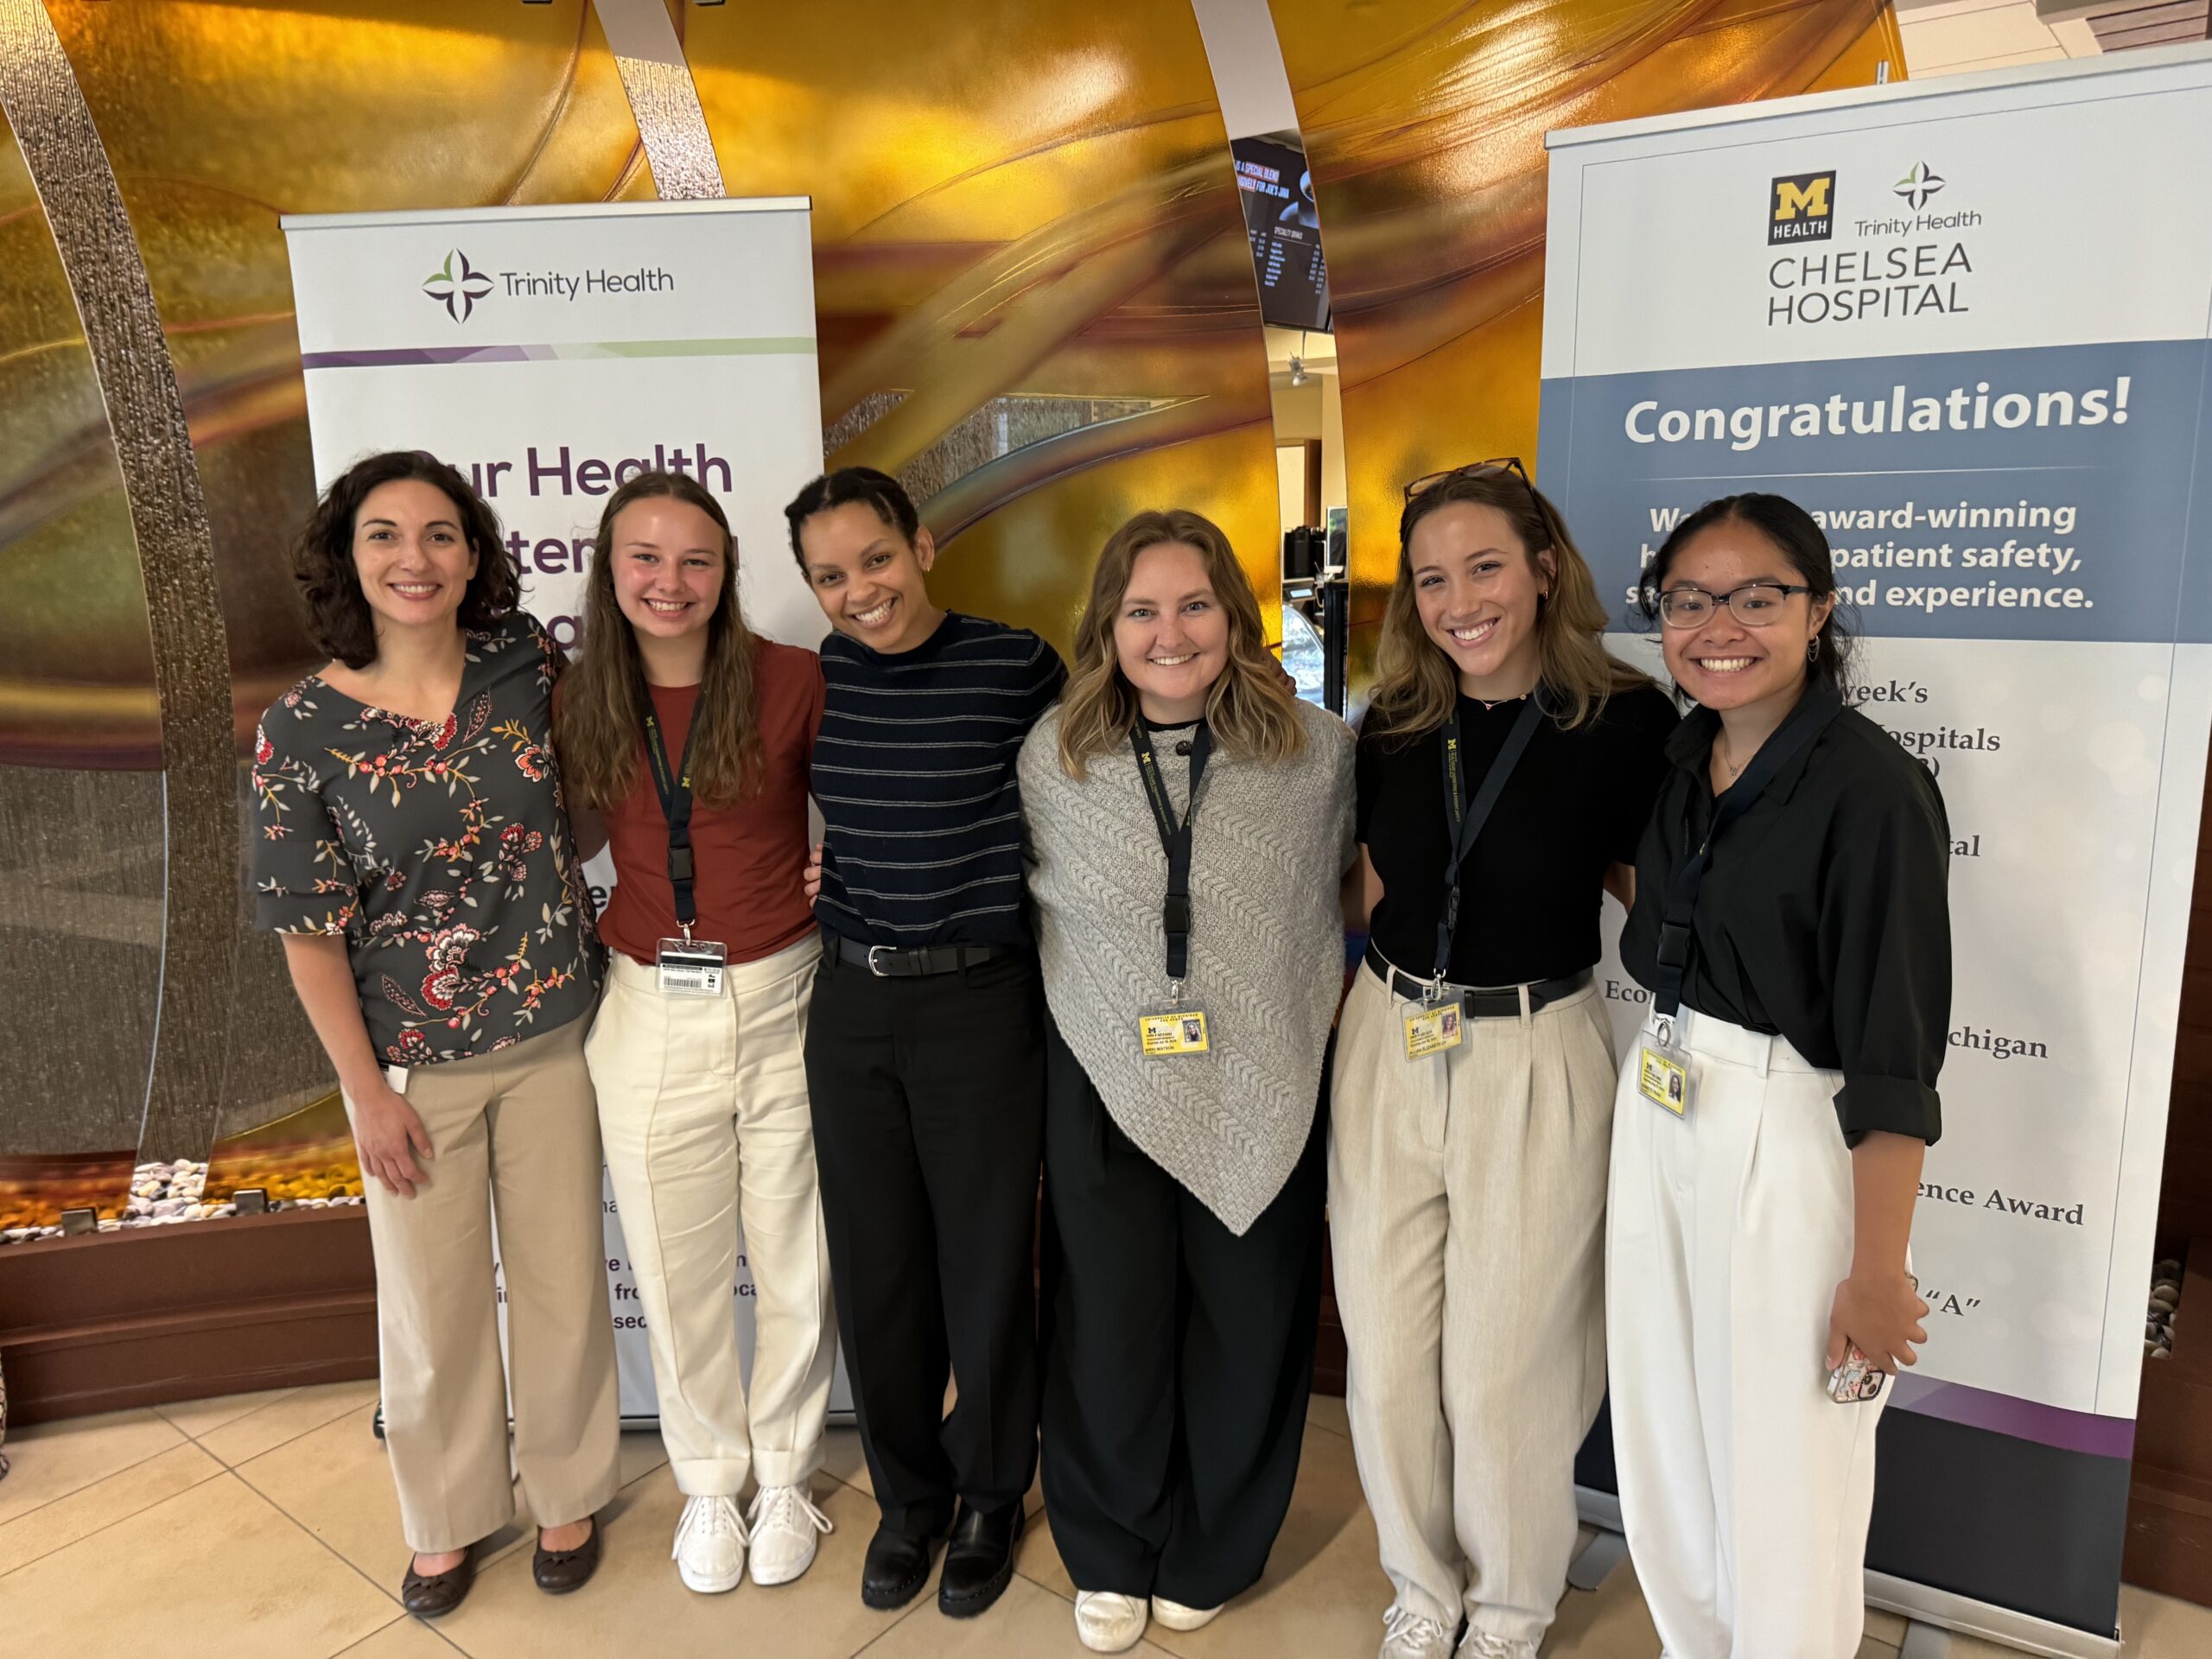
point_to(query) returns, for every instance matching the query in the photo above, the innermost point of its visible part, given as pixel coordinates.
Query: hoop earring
(1813, 650)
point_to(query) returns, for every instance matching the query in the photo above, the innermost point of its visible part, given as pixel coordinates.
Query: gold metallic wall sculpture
(1424, 122)
(1036, 304)
(169, 520)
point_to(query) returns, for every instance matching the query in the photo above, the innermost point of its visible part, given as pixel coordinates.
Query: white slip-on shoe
(1107, 1621)
(785, 1526)
(1176, 1616)
(1488, 1645)
(711, 1543)
(1409, 1634)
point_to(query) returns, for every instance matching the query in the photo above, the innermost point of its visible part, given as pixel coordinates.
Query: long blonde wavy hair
(1416, 685)
(596, 731)
(1251, 708)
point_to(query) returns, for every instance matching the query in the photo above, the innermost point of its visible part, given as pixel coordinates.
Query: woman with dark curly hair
(414, 853)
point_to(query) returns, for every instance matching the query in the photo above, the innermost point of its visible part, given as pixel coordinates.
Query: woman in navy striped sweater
(926, 1046)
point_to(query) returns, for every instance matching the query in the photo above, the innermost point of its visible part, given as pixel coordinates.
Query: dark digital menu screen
(1286, 231)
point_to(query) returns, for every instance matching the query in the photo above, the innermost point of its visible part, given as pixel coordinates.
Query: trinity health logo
(1918, 185)
(458, 290)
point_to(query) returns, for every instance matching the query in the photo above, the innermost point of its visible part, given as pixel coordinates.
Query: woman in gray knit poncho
(1184, 1153)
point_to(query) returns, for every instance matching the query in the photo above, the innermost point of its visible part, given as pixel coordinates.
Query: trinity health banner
(1965, 323)
(551, 353)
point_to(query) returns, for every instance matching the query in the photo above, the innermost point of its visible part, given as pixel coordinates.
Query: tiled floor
(264, 1524)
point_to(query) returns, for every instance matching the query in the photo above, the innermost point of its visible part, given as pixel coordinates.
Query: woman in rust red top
(689, 738)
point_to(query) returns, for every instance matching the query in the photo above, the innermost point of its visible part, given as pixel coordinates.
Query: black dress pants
(1178, 1357)
(927, 1095)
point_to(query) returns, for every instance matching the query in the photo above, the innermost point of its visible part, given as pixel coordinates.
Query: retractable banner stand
(1966, 324)
(552, 353)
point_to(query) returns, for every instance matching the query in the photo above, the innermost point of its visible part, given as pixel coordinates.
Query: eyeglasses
(1473, 469)
(1756, 604)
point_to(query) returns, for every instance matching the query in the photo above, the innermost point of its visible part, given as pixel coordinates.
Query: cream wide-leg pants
(1466, 1214)
(512, 1130)
(1745, 1491)
(702, 1105)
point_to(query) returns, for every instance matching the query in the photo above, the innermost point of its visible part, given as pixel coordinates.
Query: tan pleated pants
(516, 1130)
(1745, 1491)
(1466, 1214)
(710, 1142)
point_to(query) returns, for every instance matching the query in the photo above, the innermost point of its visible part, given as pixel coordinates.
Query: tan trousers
(516, 1130)
(709, 1140)
(1467, 1214)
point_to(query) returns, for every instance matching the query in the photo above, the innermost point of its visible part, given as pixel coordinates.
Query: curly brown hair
(339, 621)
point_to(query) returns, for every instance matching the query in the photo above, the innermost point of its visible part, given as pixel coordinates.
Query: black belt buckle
(875, 967)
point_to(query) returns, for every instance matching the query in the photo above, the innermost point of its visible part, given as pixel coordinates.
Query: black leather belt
(1479, 1003)
(912, 961)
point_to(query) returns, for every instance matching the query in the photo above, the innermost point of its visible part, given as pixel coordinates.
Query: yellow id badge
(1181, 1031)
(1433, 1027)
(1663, 1080)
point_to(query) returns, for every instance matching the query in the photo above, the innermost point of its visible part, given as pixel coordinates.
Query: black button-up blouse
(440, 850)
(1825, 917)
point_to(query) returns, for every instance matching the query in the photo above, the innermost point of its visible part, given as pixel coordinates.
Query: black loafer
(979, 1562)
(897, 1567)
(430, 1596)
(556, 1572)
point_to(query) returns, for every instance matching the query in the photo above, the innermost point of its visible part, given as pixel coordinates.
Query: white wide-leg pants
(1746, 1490)
(703, 1107)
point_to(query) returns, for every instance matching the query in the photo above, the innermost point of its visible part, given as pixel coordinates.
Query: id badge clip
(1663, 1067)
(1436, 1023)
(1173, 1030)
(691, 967)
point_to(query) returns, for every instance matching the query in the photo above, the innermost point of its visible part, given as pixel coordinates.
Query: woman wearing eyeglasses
(1791, 923)
(1504, 772)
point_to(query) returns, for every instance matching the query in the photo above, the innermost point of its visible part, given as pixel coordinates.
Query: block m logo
(1801, 208)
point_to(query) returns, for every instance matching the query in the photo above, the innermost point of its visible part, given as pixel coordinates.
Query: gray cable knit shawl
(1267, 947)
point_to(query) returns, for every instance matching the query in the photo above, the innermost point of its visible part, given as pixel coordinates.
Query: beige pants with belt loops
(1745, 1491)
(703, 1102)
(1466, 1213)
(512, 1130)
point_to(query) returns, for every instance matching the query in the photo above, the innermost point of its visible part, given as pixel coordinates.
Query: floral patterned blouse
(439, 849)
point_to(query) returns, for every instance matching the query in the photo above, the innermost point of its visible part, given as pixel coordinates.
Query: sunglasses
(1511, 464)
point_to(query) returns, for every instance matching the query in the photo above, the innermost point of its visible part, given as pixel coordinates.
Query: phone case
(1855, 1381)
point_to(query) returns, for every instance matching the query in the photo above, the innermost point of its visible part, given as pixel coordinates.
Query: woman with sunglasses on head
(1791, 923)
(686, 738)
(414, 852)
(1506, 766)
(1191, 823)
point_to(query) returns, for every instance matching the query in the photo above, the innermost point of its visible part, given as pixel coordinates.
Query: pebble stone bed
(163, 1194)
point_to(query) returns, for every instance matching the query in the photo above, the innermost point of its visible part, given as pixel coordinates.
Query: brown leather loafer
(559, 1571)
(427, 1596)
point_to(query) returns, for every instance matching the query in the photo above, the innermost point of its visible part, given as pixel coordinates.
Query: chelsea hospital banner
(1964, 323)
(552, 353)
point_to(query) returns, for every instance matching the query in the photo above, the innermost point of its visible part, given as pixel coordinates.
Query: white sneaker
(711, 1543)
(1176, 1616)
(1488, 1645)
(1409, 1634)
(786, 1525)
(1107, 1621)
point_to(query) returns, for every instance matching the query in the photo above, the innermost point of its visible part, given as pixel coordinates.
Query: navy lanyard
(1174, 839)
(1466, 818)
(674, 788)
(1818, 706)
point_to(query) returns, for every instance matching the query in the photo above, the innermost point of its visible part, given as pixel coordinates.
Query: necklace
(1720, 750)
